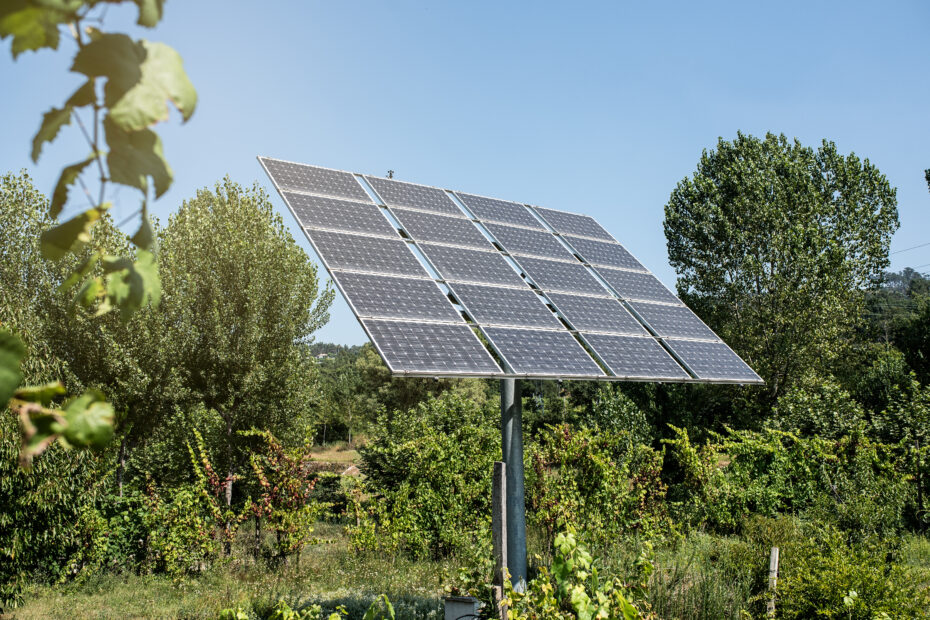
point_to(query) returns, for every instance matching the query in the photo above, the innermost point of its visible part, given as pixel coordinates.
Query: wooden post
(773, 580)
(499, 531)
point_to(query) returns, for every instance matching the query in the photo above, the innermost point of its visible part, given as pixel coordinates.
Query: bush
(182, 539)
(601, 483)
(827, 577)
(429, 478)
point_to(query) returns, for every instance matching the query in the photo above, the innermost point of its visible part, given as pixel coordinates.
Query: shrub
(182, 539)
(601, 483)
(428, 478)
(827, 577)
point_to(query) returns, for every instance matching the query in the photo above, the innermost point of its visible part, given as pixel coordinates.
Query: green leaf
(150, 12)
(58, 241)
(40, 428)
(67, 178)
(43, 394)
(88, 293)
(81, 272)
(88, 420)
(85, 95)
(131, 285)
(136, 156)
(145, 236)
(33, 27)
(52, 122)
(12, 352)
(141, 78)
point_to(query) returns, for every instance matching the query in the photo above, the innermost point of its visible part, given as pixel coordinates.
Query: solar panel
(543, 353)
(713, 361)
(430, 348)
(302, 178)
(337, 214)
(441, 228)
(363, 253)
(529, 242)
(397, 194)
(493, 210)
(599, 314)
(635, 285)
(630, 357)
(543, 289)
(573, 224)
(490, 305)
(550, 275)
(464, 265)
(603, 253)
(673, 321)
(396, 298)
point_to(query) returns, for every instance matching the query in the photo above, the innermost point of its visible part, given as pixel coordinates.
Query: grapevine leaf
(135, 156)
(58, 241)
(52, 122)
(40, 428)
(145, 236)
(43, 394)
(85, 95)
(81, 272)
(88, 420)
(12, 352)
(68, 176)
(150, 12)
(131, 285)
(141, 78)
(33, 27)
(88, 293)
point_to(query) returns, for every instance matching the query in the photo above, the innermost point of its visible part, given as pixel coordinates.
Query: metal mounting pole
(512, 449)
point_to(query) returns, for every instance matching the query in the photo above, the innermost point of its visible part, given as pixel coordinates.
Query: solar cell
(336, 214)
(635, 285)
(551, 275)
(396, 298)
(464, 265)
(543, 353)
(301, 178)
(363, 253)
(713, 361)
(529, 242)
(603, 253)
(632, 357)
(599, 314)
(441, 228)
(493, 210)
(573, 224)
(430, 348)
(398, 194)
(673, 321)
(505, 306)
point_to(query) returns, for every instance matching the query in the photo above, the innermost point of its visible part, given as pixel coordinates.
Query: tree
(774, 243)
(240, 296)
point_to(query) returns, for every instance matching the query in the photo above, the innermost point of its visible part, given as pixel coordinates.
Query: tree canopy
(774, 243)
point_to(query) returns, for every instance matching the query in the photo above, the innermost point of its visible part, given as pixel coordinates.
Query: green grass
(330, 574)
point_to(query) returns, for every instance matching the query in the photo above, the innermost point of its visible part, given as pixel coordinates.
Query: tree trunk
(122, 464)
(227, 545)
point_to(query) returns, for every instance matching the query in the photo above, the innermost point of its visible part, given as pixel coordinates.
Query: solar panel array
(455, 284)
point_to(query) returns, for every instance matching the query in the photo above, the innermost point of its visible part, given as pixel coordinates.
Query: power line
(911, 248)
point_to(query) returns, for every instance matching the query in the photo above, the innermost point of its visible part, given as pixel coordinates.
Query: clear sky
(599, 108)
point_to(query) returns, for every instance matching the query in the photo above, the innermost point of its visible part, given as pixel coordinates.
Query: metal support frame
(512, 450)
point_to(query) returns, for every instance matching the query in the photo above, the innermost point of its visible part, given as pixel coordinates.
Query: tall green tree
(774, 243)
(240, 296)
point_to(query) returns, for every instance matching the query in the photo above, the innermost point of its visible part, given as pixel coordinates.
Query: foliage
(428, 477)
(40, 510)
(773, 242)
(819, 406)
(603, 484)
(853, 482)
(240, 296)
(284, 503)
(824, 576)
(182, 538)
(573, 588)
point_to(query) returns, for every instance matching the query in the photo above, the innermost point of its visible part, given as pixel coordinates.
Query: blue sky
(599, 108)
